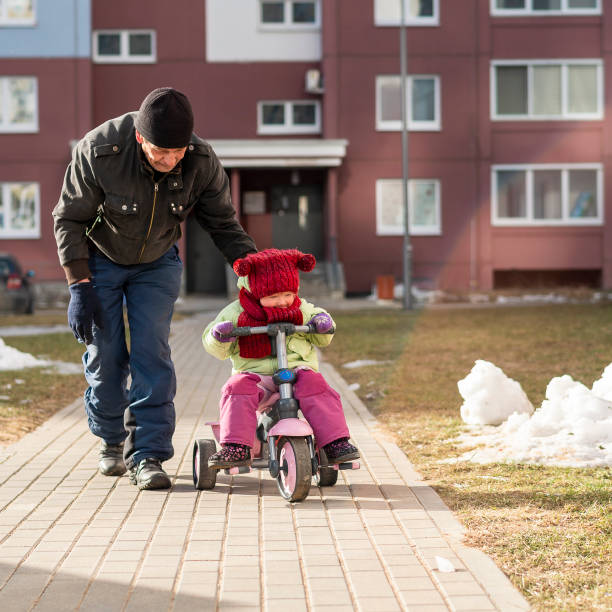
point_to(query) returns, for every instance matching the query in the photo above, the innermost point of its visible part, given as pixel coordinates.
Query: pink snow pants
(319, 403)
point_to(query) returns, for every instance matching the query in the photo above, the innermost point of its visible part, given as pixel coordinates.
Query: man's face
(162, 160)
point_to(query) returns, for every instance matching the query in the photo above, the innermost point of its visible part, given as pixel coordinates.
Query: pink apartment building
(509, 138)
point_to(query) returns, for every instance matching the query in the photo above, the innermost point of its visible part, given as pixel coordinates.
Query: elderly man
(131, 182)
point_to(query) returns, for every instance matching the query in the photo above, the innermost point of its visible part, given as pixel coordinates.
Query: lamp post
(407, 246)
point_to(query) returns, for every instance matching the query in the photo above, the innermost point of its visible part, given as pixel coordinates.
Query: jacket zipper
(144, 244)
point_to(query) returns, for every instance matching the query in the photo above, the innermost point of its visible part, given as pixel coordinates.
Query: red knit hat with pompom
(274, 270)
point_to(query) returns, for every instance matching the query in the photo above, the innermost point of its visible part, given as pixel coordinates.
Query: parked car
(16, 291)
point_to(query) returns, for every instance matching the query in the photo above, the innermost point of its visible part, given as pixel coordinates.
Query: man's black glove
(83, 311)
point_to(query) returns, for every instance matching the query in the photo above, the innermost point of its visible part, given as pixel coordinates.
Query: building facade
(508, 131)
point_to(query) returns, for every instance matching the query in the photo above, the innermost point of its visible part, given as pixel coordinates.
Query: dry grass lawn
(549, 529)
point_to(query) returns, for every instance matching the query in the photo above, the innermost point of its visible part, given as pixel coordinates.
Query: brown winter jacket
(111, 200)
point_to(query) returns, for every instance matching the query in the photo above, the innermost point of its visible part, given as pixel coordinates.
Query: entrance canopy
(287, 153)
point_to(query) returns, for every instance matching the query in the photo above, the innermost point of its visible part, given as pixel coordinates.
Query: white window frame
(413, 126)
(565, 114)
(9, 232)
(433, 21)
(289, 127)
(17, 128)
(124, 57)
(6, 22)
(288, 23)
(529, 219)
(531, 12)
(415, 230)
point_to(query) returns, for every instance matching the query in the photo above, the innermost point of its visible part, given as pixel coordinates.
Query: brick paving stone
(379, 604)
(282, 605)
(366, 544)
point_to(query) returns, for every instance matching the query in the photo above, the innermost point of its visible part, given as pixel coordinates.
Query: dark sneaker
(111, 459)
(148, 474)
(230, 455)
(340, 451)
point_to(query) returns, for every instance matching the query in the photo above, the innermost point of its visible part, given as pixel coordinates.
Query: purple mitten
(220, 330)
(322, 322)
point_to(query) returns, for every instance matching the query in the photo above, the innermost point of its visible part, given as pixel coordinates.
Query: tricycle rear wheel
(204, 477)
(325, 476)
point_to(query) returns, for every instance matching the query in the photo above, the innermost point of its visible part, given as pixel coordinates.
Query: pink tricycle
(284, 443)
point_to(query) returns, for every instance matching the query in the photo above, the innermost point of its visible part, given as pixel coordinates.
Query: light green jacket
(300, 347)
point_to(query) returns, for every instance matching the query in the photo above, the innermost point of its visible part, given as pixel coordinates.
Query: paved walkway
(73, 539)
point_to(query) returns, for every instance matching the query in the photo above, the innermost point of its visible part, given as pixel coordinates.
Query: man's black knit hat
(165, 118)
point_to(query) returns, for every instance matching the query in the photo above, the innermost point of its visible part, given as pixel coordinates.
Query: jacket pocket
(121, 214)
(179, 210)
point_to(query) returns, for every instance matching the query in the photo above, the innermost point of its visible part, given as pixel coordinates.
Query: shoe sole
(113, 472)
(156, 482)
(342, 459)
(227, 465)
(153, 483)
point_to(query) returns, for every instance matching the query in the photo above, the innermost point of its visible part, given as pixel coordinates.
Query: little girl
(268, 283)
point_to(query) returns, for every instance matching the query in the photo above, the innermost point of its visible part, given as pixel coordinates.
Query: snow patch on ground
(572, 427)
(32, 330)
(13, 359)
(362, 362)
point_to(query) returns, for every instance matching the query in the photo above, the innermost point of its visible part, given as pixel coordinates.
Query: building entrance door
(297, 218)
(205, 265)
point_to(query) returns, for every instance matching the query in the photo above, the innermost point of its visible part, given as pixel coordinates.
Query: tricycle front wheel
(295, 473)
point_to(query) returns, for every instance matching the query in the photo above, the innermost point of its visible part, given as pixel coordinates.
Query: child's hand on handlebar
(322, 323)
(221, 330)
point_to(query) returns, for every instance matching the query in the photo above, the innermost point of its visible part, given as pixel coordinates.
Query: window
(423, 207)
(545, 7)
(547, 194)
(18, 104)
(129, 46)
(19, 210)
(292, 14)
(422, 100)
(280, 117)
(416, 12)
(17, 12)
(547, 90)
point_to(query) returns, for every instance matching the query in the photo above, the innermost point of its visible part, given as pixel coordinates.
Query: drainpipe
(407, 250)
(332, 228)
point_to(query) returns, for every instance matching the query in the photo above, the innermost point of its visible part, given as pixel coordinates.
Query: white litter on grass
(354, 386)
(444, 564)
(490, 397)
(572, 427)
(362, 362)
(13, 359)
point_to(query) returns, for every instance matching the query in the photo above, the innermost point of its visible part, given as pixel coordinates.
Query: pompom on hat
(274, 270)
(165, 118)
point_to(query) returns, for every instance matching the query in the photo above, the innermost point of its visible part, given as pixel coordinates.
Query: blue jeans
(144, 413)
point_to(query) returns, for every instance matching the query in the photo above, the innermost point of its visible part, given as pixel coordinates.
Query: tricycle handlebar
(273, 328)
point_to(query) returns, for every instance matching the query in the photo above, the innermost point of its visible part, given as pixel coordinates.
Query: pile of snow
(572, 427)
(490, 397)
(13, 359)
